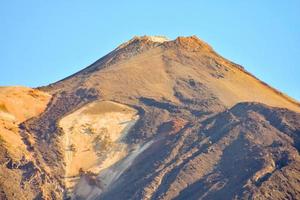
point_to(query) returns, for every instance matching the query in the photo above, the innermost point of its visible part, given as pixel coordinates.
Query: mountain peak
(190, 39)
(188, 42)
(191, 43)
(139, 40)
(155, 38)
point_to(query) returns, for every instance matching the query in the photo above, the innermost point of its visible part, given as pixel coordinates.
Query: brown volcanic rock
(238, 154)
(146, 68)
(172, 127)
(195, 137)
(20, 174)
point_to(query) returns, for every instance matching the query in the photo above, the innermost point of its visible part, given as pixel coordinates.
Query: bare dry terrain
(153, 119)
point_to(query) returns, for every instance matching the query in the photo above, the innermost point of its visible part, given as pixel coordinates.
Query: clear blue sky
(44, 41)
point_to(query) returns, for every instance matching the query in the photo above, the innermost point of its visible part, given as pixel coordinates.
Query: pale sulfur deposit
(92, 138)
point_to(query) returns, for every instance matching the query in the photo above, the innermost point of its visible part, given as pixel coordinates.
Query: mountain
(153, 119)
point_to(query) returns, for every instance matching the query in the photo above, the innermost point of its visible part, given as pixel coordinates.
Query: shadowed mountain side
(237, 154)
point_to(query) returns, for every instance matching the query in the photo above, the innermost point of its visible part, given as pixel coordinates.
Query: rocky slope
(154, 119)
(20, 175)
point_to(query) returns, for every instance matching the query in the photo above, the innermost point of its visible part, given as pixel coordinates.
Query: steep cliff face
(160, 119)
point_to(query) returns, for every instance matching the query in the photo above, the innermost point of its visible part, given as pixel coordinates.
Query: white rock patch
(93, 142)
